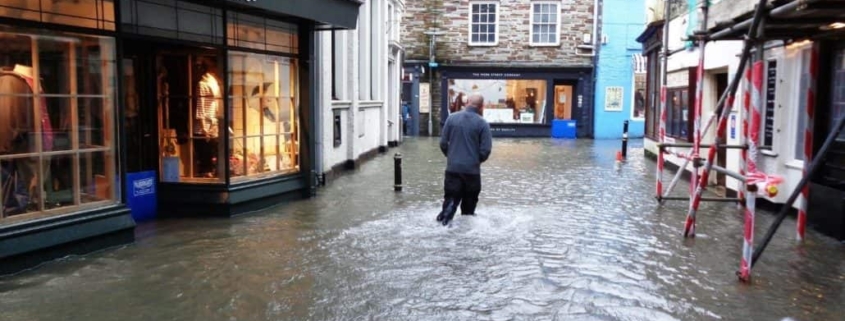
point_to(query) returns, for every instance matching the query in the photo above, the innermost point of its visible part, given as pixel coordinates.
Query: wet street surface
(560, 235)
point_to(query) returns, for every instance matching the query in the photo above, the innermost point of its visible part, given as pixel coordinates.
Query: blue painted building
(620, 83)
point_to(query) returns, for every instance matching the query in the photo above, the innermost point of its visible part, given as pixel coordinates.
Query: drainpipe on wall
(595, 41)
(596, 36)
(597, 7)
(318, 100)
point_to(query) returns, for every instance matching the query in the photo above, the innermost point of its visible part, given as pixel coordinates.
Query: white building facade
(360, 73)
(786, 80)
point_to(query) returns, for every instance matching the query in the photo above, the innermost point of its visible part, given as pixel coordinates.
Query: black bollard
(397, 172)
(625, 140)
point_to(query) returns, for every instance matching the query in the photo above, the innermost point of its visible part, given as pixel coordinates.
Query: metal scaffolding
(756, 183)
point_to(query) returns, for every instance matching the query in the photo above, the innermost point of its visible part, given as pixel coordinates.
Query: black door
(141, 121)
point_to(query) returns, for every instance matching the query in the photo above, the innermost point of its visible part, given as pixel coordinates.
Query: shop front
(522, 102)
(203, 104)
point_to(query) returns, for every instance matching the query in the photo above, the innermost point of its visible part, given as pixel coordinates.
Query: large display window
(505, 100)
(190, 104)
(57, 142)
(264, 124)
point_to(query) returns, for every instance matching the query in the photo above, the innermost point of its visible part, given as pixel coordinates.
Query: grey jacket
(466, 141)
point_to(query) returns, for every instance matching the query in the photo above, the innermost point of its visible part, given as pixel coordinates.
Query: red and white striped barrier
(746, 103)
(800, 225)
(695, 192)
(751, 162)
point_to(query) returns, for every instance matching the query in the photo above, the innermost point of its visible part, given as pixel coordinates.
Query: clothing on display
(207, 107)
(17, 126)
(206, 125)
(25, 73)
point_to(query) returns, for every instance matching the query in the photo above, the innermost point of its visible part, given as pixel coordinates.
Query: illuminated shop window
(264, 124)
(57, 134)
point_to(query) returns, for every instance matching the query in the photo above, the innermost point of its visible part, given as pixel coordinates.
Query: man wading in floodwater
(467, 142)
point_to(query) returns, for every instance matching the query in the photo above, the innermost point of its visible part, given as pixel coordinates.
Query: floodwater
(561, 234)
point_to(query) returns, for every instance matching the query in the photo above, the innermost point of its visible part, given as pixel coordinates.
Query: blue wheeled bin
(563, 128)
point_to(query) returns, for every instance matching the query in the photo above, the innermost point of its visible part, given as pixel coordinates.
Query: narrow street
(561, 235)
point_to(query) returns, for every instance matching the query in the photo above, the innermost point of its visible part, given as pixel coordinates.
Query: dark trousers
(205, 150)
(460, 189)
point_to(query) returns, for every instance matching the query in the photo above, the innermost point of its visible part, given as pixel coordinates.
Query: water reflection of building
(103, 104)
(530, 74)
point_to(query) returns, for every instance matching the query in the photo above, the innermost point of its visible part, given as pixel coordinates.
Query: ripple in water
(562, 234)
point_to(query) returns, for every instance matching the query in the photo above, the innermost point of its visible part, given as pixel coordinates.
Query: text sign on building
(733, 126)
(613, 98)
(425, 98)
(144, 186)
(496, 75)
(769, 115)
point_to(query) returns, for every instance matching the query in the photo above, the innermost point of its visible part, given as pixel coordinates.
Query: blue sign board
(141, 195)
(432, 64)
(733, 126)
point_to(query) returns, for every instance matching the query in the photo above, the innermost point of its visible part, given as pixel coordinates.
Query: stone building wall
(513, 48)
(513, 34)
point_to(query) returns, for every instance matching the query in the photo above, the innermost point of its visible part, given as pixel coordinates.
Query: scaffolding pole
(752, 101)
(689, 225)
(808, 140)
(661, 135)
(751, 165)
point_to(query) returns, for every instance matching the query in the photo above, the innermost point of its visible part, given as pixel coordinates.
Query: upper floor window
(483, 23)
(545, 23)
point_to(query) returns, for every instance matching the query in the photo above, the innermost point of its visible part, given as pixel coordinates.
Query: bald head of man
(477, 101)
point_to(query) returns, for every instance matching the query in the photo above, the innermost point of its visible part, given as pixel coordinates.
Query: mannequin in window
(207, 116)
(17, 133)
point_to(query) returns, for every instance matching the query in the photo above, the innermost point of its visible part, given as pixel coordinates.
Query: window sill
(639, 120)
(341, 104)
(678, 139)
(541, 45)
(768, 153)
(795, 164)
(483, 44)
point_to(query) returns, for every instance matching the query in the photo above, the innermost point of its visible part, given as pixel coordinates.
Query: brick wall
(513, 33)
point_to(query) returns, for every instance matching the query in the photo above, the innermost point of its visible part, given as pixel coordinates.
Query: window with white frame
(483, 23)
(545, 18)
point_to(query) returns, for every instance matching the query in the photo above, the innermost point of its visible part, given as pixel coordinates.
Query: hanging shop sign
(425, 98)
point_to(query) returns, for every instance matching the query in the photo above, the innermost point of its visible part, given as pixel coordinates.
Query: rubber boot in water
(450, 207)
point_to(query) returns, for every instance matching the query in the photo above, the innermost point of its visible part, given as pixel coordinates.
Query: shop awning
(328, 14)
(650, 30)
(789, 19)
